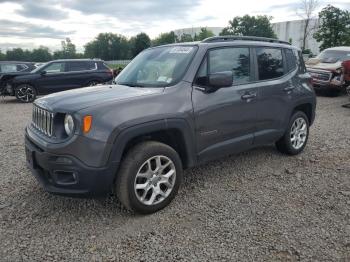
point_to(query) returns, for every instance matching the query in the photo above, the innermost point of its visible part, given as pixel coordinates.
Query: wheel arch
(173, 132)
(307, 109)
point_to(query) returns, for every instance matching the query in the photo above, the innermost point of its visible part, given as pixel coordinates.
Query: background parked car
(56, 76)
(328, 69)
(14, 67)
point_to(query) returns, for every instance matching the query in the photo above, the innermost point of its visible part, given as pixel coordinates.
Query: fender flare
(126, 135)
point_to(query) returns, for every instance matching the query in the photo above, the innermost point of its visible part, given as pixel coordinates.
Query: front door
(225, 118)
(53, 79)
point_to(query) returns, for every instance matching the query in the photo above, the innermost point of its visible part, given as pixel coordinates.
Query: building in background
(286, 31)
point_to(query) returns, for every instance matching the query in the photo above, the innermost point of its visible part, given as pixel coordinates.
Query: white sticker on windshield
(181, 50)
(162, 79)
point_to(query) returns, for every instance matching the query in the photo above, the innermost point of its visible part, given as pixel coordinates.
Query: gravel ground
(255, 206)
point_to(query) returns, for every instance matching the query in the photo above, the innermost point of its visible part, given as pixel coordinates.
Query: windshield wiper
(131, 84)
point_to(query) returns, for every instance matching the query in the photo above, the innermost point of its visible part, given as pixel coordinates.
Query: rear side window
(290, 60)
(235, 59)
(81, 66)
(270, 63)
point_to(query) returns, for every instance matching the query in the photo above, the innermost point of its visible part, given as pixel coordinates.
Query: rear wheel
(149, 177)
(296, 136)
(25, 93)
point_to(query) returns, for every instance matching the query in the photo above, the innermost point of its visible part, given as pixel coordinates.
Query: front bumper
(66, 175)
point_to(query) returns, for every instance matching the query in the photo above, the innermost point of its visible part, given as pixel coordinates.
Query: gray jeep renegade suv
(173, 107)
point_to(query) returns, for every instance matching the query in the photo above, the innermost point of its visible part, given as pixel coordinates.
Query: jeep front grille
(42, 120)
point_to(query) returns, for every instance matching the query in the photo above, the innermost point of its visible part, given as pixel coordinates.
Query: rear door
(81, 73)
(225, 118)
(275, 80)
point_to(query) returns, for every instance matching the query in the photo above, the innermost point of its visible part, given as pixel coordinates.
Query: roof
(219, 41)
(230, 38)
(77, 60)
(340, 48)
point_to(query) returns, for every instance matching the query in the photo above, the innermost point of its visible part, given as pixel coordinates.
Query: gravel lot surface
(259, 205)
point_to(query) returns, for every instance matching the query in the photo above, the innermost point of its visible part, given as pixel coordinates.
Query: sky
(31, 23)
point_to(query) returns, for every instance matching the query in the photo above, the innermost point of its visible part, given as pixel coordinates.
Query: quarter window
(290, 59)
(236, 60)
(270, 63)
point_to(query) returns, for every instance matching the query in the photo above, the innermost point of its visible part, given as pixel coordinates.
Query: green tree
(108, 46)
(203, 34)
(68, 50)
(165, 38)
(185, 38)
(18, 54)
(41, 54)
(139, 43)
(334, 29)
(250, 26)
(2, 56)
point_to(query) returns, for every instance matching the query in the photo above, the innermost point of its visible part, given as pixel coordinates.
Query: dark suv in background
(56, 76)
(173, 107)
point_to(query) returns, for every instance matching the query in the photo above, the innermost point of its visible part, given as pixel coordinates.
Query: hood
(315, 63)
(78, 99)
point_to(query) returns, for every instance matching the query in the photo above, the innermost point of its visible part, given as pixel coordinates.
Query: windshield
(157, 67)
(333, 56)
(38, 69)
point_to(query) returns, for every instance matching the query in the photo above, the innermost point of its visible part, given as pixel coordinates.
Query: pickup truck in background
(330, 70)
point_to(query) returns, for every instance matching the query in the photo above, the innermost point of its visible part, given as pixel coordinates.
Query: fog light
(65, 177)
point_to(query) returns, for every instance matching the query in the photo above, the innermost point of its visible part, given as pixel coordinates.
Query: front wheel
(25, 93)
(296, 136)
(93, 83)
(149, 177)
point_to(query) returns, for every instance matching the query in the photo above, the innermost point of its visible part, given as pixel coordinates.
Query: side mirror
(221, 79)
(43, 73)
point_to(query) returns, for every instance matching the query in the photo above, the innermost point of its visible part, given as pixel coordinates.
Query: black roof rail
(244, 38)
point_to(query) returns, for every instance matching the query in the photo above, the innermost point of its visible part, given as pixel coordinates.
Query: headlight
(68, 124)
(339, 70)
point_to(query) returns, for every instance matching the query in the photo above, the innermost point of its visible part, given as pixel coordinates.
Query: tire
(25, 93)
(298, 128)
(93, 83)
(138, 169)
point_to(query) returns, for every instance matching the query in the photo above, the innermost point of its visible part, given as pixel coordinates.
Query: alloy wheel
(298, 133)
(26, 93)
(155, 180)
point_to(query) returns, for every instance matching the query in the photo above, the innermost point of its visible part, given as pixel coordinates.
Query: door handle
(248, 96)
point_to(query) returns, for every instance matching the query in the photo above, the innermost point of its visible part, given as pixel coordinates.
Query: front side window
(157, 67)
(270, 63)
(235, 59)
(55, 68)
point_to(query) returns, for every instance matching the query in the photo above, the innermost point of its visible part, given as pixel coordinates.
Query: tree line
(333, 30)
